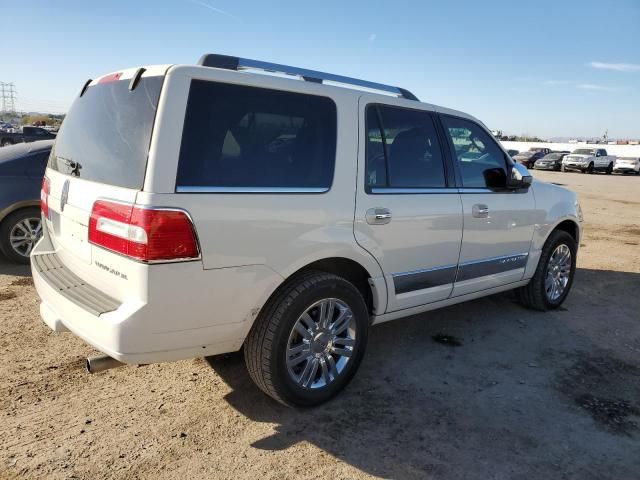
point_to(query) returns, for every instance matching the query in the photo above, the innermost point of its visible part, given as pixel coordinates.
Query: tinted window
(106, 134)
(246, 137)
(481, 160)
(402, 149)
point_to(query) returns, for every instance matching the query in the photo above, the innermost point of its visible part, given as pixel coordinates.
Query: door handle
(378, 216)
(480, 211)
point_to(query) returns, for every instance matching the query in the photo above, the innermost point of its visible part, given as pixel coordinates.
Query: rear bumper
(190, 312)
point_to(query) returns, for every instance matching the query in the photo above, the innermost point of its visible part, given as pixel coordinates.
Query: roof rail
(237, 63)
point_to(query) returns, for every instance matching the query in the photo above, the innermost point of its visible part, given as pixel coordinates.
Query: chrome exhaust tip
(100, 363)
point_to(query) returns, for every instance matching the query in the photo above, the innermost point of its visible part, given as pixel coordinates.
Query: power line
(8, 97)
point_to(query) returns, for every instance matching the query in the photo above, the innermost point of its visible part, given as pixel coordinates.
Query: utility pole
(8, 97)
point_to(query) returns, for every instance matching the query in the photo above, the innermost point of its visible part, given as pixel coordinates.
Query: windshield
(583, 151)
(553, 156)
(106, 134)
(526, 154)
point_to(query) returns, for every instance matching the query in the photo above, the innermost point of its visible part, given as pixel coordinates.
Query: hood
(544, 189)
(577, 156)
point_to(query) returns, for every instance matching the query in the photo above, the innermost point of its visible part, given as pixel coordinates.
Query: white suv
(196, 210)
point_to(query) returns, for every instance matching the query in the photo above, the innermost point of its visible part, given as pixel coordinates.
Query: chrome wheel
(558, 272)
(24, 235)
(321, 343)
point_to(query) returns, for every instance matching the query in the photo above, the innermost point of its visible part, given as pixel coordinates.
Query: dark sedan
(552, 161)
(528, 159)
(22, 167)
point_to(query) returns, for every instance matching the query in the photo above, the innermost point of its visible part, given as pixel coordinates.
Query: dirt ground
(524, 395)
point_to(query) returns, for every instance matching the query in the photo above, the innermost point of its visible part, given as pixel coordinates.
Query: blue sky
(549, 68)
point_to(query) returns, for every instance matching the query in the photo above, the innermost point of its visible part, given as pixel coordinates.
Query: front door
(498, 223)
(408, 211)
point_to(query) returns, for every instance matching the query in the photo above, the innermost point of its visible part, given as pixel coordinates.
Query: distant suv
(589, 160)
(195, 210)
(529, 159)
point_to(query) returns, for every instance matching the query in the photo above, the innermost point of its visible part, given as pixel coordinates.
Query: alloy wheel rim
(24, 235)
(558, 272)
(321, 343)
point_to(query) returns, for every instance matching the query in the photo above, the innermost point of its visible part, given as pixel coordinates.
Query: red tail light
(44, 196)
(142, 233)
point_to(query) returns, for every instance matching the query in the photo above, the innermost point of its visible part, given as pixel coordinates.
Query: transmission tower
(8, 97)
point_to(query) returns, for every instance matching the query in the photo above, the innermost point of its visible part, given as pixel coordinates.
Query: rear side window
(402, 149)
(482, 163)
(238, 137)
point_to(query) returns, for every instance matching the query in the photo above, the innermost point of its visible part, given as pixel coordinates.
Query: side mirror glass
(519, 177)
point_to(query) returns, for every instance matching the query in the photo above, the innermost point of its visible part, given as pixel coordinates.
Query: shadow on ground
(526, 395)
(16, 269)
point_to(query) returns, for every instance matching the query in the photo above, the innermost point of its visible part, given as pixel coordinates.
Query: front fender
(554, 205)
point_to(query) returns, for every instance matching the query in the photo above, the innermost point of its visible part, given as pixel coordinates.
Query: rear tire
(610, 169)
(539, 293)
(289, 351)
(21, 223)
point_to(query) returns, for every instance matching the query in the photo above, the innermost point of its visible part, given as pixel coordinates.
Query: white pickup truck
(589, 160)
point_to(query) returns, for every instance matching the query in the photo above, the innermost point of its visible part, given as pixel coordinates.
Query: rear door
(498, 223)
(408, 211)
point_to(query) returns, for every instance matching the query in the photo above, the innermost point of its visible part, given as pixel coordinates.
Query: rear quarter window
(237, 137)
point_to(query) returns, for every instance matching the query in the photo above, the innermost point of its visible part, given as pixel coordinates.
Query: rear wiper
(73, 166)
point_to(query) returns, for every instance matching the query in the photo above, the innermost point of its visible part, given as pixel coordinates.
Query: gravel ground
(477, 391)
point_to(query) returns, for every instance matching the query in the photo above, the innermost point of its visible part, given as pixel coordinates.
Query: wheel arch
(569, 226)
(5, 212)
(364, 273)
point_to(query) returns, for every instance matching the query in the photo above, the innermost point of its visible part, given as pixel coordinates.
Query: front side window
(246, 137)
(481, 161)
(402, 149)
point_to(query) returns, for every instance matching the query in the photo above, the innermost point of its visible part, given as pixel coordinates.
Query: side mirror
(519, 177)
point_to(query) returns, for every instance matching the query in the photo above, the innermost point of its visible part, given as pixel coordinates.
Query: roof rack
(237, 63)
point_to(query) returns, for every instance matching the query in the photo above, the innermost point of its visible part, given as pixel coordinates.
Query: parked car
(26, 134)
(589, 160)
(528, 159)
(223, 219)
(21, 170)
(513, 153)
(544, 150)
(551, 161)
(627, 165)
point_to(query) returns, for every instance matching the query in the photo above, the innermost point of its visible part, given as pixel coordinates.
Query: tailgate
(101, 151)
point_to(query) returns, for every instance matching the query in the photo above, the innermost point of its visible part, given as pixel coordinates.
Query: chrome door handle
(480, 211)
(378, 216)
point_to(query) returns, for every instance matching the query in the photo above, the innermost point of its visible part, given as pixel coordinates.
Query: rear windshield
(583, 151)
(105, 136)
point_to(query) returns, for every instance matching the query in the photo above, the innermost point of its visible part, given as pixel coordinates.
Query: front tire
(308, 340)
(553, 278)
